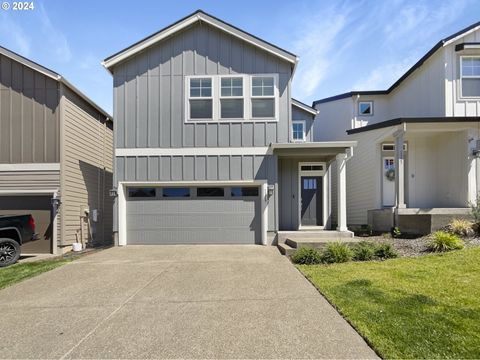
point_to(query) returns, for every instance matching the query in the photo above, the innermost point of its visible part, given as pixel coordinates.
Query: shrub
(307, 256)
(363, 230)
(443, 241)
(337, 253)
(475, 208)
(385, 251)
(396, 232)
(364, 251)
(461, 227)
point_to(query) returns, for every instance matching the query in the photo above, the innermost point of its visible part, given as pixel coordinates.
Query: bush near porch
(420, 307)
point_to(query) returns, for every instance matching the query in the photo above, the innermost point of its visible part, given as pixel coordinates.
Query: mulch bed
(413, 246)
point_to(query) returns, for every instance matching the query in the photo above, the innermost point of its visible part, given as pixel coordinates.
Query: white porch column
(399, 170)
(472, 169)
(341, 192)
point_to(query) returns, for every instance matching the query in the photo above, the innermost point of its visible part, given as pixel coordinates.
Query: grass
(18, 272)
(426, 307)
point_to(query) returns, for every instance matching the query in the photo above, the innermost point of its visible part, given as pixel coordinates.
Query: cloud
(56, 39)
(17, 38)
(420, 20)
(384, 75)
(316, 42)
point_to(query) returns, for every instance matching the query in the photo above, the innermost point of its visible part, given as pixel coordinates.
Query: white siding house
(433, 110)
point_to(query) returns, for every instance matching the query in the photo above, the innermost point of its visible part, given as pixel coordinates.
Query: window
(141, 192)
(311, 168)
(470, 76)
(200, 98)
(391, 147)
(244, 191)
(211, 192)
(263, 97)
(176, 192)
(298, 131)
(365, 108)
(310, 184)
(231, 98)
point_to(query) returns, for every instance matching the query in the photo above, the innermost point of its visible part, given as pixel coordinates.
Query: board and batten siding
(29, 117)
(455, 105)
(200, 168)
(299, 114)
(86, 171)
(149, 94)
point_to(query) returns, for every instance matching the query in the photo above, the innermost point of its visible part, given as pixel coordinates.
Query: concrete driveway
(174, 302)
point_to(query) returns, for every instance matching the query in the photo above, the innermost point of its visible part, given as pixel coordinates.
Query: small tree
(475, 208)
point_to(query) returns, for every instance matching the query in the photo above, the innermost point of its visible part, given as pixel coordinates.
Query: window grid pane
(232, 87)
(200, 87)
(298, 131)
(262, 86)
(471, 66)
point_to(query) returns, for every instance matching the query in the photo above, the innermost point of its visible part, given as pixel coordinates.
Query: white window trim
(365, 102)
(188, 98)
(245, 83)
(467, 77)
(304, 137)
(405, 148)
(216, 92)
(275, 97)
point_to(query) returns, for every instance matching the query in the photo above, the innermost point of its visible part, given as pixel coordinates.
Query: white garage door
(193, 215)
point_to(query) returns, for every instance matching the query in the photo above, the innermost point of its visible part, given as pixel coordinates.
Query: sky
(342, 45)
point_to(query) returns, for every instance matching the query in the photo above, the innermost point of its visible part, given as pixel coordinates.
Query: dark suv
(14, 231)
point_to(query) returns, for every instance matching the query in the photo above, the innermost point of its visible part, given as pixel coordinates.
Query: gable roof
(304, 107)
(197, 16)
(53, 75)
(441, 43)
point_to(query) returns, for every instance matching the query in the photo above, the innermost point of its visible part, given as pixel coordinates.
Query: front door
(388, 182)
(311, 200)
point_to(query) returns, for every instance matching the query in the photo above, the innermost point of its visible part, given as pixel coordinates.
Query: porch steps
(289, 242)
(286, 249)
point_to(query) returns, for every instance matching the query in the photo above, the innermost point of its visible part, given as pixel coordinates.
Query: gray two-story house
(210, 148)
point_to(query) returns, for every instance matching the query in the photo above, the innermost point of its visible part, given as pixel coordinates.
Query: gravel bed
(413, 246)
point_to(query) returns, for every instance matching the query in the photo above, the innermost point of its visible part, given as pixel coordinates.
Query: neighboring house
(55, 156)
(209, 145)
(416, 162)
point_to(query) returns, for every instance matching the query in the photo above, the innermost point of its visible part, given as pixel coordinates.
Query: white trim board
(30, 167)
(182, 24)
(193, 151)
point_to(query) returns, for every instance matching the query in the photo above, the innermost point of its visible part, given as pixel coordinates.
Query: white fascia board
(305, 108)
(191, 20)
(316, 145)
(461, 35)
(260, 150)
(30, 167)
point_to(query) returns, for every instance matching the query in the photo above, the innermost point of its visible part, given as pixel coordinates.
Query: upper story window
(263, 97)
(470, 76)
(365, 108)
(231, 98)
(298, 130)
(200, 98)
(238, 97)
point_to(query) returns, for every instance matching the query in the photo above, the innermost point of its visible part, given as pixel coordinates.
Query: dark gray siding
(29, 116)
(288, 193)
(201, 168)
(149, 92)
(299, 114)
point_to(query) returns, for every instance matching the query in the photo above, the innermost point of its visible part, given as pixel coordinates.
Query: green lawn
(18, 272)
(426, 307)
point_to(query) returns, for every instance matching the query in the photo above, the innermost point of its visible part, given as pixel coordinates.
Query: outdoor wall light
(271, 190)
(113, 192)
(56, 201)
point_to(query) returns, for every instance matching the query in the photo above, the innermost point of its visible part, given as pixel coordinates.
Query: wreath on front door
(390, 174)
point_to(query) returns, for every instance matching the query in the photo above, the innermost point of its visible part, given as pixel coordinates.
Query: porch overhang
(324, 149)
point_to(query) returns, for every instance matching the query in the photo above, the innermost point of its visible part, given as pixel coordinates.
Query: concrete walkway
(174, 302)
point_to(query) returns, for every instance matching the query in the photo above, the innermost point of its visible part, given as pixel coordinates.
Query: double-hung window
(263, 97)
(298, 131)
(200, 99)
(231, 98)
(470, 76)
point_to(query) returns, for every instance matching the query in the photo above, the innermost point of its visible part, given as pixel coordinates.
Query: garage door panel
(193, 221)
